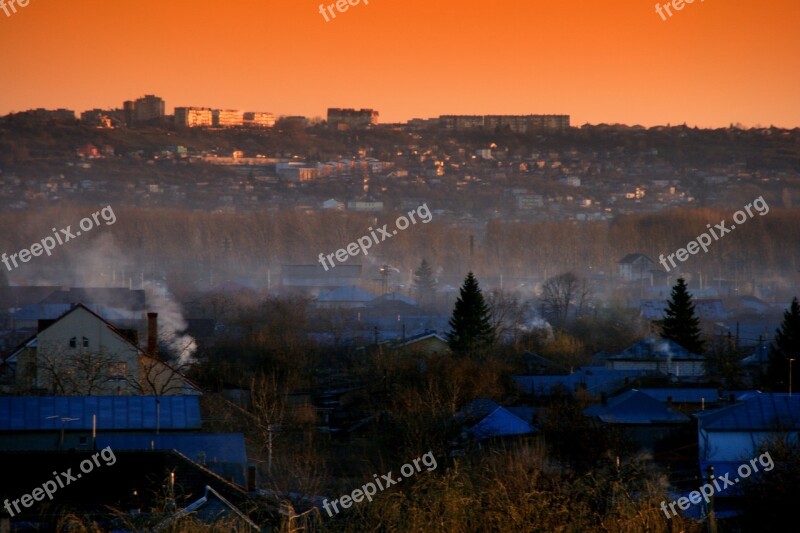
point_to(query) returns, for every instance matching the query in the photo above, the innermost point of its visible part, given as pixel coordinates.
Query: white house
(80, 353)
(660, 356)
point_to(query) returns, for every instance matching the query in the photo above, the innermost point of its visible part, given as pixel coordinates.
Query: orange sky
(713, 63)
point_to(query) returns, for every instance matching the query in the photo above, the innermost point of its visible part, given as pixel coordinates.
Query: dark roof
(595, 380)
(634, 407)
(393, 297)
(346, 294)
(683, 395)
(759, 412)
(420, 337)
(632, 258)
(134, 480)
(33, 413)
(21, 296)
(112, 297)
(223, 453)
(656, 349)
(486, 419)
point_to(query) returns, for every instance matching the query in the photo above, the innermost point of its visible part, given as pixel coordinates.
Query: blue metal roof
(656, 349)
(487, 419)
(596, 380)
(682, 395)
(500, 423)
(764, 412)
(32, 413)
(634, 407)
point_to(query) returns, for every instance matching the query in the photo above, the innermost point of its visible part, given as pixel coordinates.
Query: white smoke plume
(171, 323)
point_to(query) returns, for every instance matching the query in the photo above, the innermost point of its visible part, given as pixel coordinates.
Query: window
(85, 342)
(118, 369)
(73, 342)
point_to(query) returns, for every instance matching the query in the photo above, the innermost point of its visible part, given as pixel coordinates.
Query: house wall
(104, 348)
(678, 368)
(426, 346)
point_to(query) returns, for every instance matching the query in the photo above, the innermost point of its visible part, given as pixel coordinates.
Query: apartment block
(148, 107)
(259, 119)
(227, 118)
(515, 123)
(345, 119)
(192, 117)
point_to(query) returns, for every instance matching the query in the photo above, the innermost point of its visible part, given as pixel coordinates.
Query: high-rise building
(343, 119)
(128, 111)
(148, 107)
(192, 117)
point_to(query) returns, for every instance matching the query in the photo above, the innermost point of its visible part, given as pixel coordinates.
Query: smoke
(665, 348)
(101, 263)
(171, 323)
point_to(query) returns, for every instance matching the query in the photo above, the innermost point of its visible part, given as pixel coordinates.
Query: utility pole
(712, 518)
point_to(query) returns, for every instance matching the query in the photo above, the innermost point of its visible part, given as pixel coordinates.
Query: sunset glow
(712, 64)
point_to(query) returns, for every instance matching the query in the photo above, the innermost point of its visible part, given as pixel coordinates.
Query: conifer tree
(785, 347)
(680, 324)
(424, 283)
(471, 327)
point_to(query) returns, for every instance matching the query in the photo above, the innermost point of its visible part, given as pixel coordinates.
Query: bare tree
(507, 314)
(269, 400)
(158, 378)
(68, 372)
(563, 291)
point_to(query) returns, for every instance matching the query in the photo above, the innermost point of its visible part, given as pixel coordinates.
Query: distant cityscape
(152, 109)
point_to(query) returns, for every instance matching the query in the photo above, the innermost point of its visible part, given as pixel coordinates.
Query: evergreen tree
(786, 346)
(424, 283)
(471, 327)
(680, 324)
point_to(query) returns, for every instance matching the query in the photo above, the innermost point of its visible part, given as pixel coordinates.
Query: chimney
(152, 334)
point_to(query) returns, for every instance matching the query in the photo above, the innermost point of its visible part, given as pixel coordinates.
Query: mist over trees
(192, 247)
